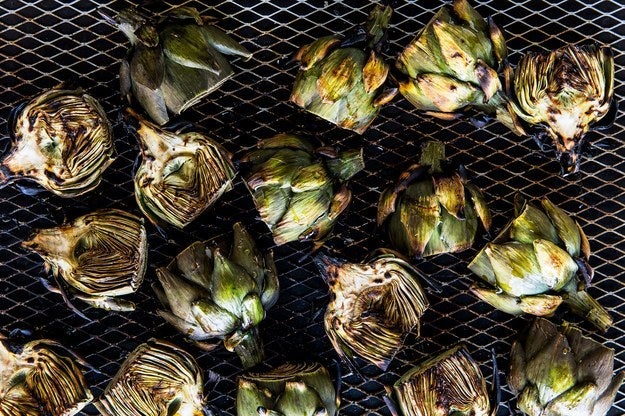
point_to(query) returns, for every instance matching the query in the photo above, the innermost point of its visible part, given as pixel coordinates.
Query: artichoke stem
(433, 155)
(250, 349)
(581, 303)
(377, 23)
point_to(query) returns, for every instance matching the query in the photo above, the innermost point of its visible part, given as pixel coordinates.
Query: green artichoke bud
(372, 305)
(450, 384)
(431, 209)
(210, 295)
(62, 140)
(342, 79)
(99, 256)
(564, 92)
(299, 191)
(157, 378)
(181, 174)
(557, 371)
(452, 64)
(174, 62)
(43, 379)
(533, 265)
(289, 390)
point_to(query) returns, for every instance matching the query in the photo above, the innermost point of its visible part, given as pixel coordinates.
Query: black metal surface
(45, 42)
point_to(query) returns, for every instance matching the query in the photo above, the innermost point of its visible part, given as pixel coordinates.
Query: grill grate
(49, 41)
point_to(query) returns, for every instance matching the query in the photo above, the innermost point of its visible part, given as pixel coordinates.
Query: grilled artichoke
(156, 379)
(210, 295)
(181, 174)
(372, 305)
(342, 79)
(299, 191)
(564, 92)
(452, 64)
(532, 265)
(431, 209)
(62, 140)
(289, 390)
(43, 379)
(450, 384)
(559, 372)
(99, 256)
(174, 62)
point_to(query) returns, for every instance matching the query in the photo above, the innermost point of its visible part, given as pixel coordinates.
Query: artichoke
(181, 173)
(299, 191)
(62, 140)
(156, 379)
(372, 305)
(532, 265)
(210, 295)
(560, 372)
(564, 92)
(450, 384)
(99, 256)
(342, 79)
(431, 209)
(174, 62)
(452, 65)
(44, 378)
(288, 390)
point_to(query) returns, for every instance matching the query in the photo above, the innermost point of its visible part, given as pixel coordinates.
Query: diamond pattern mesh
(46, 42)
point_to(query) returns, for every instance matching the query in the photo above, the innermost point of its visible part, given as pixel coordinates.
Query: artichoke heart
(62, 140)
(99, 256)
(158, 378)
(43, 378)
(208, 293)
(180, 175)
(373, 305)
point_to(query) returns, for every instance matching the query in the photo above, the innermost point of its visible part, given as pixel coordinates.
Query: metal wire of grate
(46, 42)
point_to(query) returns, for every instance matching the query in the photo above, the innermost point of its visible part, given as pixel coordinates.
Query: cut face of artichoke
(99, 256)
(372, 305)
(288, 390)
(62, 140)
(44, 378)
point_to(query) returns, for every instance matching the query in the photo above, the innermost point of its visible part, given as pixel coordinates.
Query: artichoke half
(431, 209)
(533, 264)
(564, 93)
(181, 173)
(300, 191)
(557, 371)
(288, 390)
(174, 62)
(156, 379)
(210, 294)
(100, 256)
(44, 378)
(62, 140)
(372, 305)
(342, 79)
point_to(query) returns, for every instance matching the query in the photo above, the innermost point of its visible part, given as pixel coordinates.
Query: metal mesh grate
(45, 42)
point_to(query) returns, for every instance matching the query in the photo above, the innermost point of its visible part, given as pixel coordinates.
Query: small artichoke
(450, 384)
(156, 379)
(289, 390)
(452, 64)
(210, 295)
(431, 209)
(174, 62)
(564, 92)
(532, 265)
(181, 173)
(342, 79)
(372, 305)
(300, 191)
(99, 256)
(44, 378)
(559, 372)
(62, 140)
